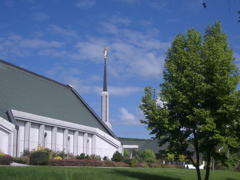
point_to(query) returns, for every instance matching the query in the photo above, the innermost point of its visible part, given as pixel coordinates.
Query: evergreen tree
(199, 107)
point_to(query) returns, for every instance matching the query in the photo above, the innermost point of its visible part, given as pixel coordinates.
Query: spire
(105, 76)
(105, 95)
(105, 69)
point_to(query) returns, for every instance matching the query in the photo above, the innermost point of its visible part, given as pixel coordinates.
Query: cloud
(38, 16)
(124, 91)
(15, 45)
(160, 5)
(61, 31)
(38, 43)
(128, 118)
(120, 20)
(85, 3)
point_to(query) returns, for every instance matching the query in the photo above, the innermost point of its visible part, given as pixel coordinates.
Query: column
(65, 140)
(85, 139)
(75, 143)
(41, 135)
(94, 144)
(27, 135)
(54, 138)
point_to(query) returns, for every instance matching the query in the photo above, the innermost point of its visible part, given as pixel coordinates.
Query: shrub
(117, 157)
(58, 153)
(39, 158)
(125, 153)
(6, 160)
(105, 158)
(95, 157)
(148, 155)
(58, 157)
(82, 156)
(130, 162)
(22, 160)
(2, 155)
(136, 154)
(26, 152)
(76, 162)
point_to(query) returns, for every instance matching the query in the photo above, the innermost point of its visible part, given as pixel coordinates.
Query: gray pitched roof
(147, 144)
(29, 92)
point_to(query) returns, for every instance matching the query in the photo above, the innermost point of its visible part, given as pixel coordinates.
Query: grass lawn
(84, 173)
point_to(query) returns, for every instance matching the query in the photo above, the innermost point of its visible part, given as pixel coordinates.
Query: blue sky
(64, 40)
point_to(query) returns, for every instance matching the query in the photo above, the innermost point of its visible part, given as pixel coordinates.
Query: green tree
(125, 153)
(148, 155)
(117, 157)
(199, 106)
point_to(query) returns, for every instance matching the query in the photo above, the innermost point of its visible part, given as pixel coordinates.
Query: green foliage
(95, 157)
(1, 155)
(61, 154)
(199, 106)
(136, 153)
(117, 157)
(130, 161)
(125, 153)
(148, 155)
(26, 152)
(21, 160)
(39, 158)
(82, 156)
(169, 157)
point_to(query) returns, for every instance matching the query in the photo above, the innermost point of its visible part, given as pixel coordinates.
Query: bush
(57, 153)
(39, 158)
(117, 157)
(125, 153)
(22, 160)
(149, 156)
(105, 158)
(95, 157)
(130, 162)
(6, 160)
(82, 156)
(76, 162)
(26, 152)
(58, 157)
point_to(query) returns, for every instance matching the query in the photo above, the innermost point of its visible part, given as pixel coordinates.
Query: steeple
(105, 95)
(105, 76)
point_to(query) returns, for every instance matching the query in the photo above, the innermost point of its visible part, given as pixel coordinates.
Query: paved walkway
(18, 164)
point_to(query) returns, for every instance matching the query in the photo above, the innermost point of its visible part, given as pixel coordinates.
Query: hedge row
(6, 160)
(85, 162)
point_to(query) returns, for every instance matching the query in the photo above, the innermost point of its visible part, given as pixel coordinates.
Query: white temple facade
(35, 110)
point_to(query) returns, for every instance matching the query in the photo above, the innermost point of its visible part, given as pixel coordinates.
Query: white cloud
(85, 3)
(120, 20)
(39, 43)
(38, 16)
(123, 91)
(128, 118)
(61, 31)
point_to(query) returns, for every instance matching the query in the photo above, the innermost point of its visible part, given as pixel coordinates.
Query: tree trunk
(208, 167)
(197, 156)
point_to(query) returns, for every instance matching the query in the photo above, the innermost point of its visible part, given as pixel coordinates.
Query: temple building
(35, 110)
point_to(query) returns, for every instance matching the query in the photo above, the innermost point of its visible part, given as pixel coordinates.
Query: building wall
(7, 131)
(56, 135)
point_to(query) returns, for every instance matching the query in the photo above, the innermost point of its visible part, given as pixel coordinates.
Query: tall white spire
(105, 95)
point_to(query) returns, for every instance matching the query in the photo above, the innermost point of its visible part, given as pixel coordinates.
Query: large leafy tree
(197, 108)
